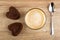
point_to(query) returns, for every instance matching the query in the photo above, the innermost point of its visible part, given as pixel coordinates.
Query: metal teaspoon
(51, 10)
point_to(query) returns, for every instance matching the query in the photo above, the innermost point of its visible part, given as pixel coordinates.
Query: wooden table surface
(28, 34)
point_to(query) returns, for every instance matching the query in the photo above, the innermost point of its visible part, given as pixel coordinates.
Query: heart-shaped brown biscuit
(13, 13)
(15, 28)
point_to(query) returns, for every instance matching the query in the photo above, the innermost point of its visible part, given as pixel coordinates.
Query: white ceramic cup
(35, 18)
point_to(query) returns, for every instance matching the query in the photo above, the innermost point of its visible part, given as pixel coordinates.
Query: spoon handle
(51, 25)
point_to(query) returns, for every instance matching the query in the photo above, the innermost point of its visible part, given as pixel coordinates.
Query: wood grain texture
(27, 34)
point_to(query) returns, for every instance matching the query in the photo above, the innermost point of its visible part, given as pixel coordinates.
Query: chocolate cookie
(15, 28)
(13, 13)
